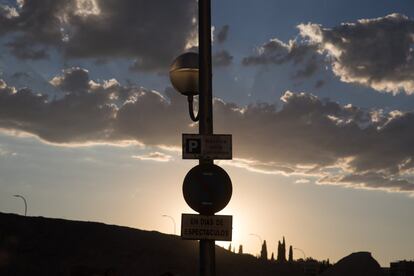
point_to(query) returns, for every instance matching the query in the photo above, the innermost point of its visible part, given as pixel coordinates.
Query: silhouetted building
(402, 268)
(263, 253)
(281, 251)
(290, 254)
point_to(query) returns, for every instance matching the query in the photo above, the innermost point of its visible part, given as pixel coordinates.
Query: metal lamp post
(259, 238)
(191, 75)
(25, 203)
(303, 252)
(173, 221)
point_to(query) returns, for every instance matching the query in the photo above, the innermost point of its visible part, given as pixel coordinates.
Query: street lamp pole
(191, 76)
(207, 247)
(257, 236)
(25, 203)
(303, 252)
(173, 221)
(205, 77)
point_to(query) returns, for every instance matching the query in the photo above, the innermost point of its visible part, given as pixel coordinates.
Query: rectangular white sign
(217, 146)
(198, 227)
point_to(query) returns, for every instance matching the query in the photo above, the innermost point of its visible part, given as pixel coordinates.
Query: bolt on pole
(207, 247)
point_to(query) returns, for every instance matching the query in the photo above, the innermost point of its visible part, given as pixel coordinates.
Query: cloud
(223, 34)
(21, 49)
(373, 52)
(151, 32)
(320, 138)
(77, 117)
(319, 84)
(154, 156)
(371, 180)
(222, 58)
(276, 52)
(258, 166)
(4, 152)
(302, 181)
(73, 80)
(307, 137)
(90, 112)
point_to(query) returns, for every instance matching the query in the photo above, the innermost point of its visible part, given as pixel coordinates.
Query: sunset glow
(317, 95)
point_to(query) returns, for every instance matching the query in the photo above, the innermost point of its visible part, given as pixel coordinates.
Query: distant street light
(303, 252)
(257, 236)
(172, 219)
(25, 203)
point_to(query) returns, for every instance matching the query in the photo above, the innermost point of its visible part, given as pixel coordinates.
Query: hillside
(356, 264)
(44, 246)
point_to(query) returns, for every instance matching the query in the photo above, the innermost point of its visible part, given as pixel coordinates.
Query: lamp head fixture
(184, 74)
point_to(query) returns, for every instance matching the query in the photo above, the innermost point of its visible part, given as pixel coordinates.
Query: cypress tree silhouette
(273, 257)
(263, 253)
(281, 251)
(290, 254)
(229, 249)
(241, 249)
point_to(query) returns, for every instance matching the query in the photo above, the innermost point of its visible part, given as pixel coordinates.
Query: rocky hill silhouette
(356, 264)
(44, 246)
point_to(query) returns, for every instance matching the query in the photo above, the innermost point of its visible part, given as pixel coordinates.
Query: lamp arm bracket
(191, 109)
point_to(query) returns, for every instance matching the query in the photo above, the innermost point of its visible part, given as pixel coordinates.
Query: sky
(318, 96)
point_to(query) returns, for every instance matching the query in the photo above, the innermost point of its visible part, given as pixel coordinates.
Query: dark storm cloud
(310, 68)
(22, 49)
(323, 138)
(371, 180)
(306, 131)
(73, 80)
(222, 58)
(19, 75)
(276, 52)
(373, 52)
(319, 84)
(223, 34)
(341, 145)
(93, 112)
(152, 32)
(75, 118)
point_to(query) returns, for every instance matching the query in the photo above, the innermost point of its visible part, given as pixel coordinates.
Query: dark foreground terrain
(44, 246)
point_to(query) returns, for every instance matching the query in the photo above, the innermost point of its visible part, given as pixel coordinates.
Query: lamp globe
(184, 74)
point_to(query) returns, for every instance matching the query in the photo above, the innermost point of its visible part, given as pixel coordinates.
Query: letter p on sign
(194, 146)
